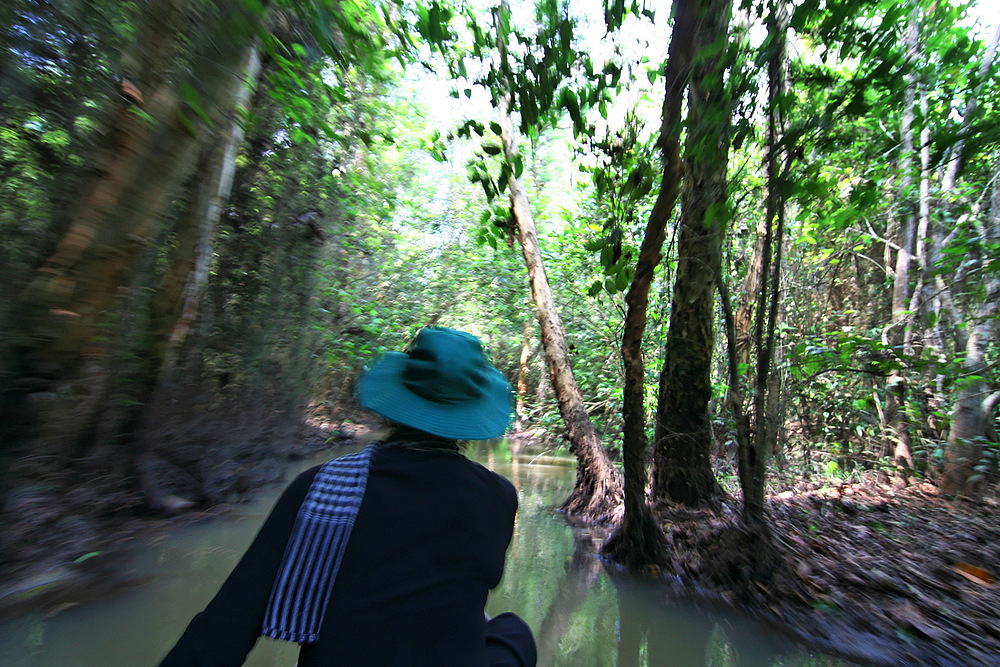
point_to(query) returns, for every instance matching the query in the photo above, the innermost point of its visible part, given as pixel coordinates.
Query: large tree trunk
(638, 541)
(682, 469)
(175, 305)
(177, 302)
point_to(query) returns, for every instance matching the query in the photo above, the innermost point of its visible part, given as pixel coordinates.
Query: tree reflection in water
(584, 617)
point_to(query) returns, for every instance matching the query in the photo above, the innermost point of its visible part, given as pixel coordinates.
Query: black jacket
(428, 544)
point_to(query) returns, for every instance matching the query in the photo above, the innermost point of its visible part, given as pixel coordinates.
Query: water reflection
(583, 617)
(580, 615)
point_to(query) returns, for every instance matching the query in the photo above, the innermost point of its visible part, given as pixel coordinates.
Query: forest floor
(877, 574)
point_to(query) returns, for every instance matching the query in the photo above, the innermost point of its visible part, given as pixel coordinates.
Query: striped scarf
(312, 558)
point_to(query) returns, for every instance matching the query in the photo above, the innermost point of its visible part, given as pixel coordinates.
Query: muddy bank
(876, 574)
(63, 542)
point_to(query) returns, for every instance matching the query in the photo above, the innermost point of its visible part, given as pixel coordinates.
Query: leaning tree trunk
(597, 492)
(682, 469)
(638, 541)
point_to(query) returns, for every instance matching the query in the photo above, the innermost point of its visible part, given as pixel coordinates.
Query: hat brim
(381, 390)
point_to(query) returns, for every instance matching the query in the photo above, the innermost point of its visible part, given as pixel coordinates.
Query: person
(385, 557)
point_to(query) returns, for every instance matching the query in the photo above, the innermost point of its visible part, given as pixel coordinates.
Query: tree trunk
(968, 423)
(972, 415)
(901, 328)
(178, 300)
(758, 315)
(638, 541)
(597, 492)
(682, 468)
(180, 296)
(522, 378)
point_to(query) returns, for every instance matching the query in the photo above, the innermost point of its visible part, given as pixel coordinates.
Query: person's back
(385, 557)
(427, 547)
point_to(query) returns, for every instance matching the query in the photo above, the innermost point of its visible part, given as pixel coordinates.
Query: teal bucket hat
(441, 385)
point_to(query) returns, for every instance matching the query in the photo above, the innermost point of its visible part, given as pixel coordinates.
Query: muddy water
(579, 616)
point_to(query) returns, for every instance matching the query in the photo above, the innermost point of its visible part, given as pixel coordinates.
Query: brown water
(553, 580)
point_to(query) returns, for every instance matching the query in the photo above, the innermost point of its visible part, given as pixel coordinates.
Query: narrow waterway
(553, 580)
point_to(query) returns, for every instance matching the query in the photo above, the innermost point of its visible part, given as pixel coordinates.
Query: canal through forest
(552, 579)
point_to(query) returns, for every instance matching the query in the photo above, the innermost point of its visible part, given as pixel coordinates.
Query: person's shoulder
(299, 486)
(302, 482)
(309, 473)
(503, 485)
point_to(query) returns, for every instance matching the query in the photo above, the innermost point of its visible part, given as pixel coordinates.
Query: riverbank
(63, 542)
(877, 574)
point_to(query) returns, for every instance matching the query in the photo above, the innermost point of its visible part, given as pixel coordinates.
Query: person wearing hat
(385, 557)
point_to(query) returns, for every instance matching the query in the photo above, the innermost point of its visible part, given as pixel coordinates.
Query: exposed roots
(595, 500)
(638, 544)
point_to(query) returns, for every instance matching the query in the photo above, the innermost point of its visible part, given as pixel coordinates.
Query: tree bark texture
(598, 490)
(898, 444)
(682, 467)
(176, 303)
(638, 541)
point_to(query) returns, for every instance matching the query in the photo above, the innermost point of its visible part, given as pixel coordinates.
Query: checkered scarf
(312, 558)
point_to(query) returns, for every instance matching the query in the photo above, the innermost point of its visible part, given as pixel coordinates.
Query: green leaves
(843, 352)
(481, 166)
(433, 25)
(569, 101)
(192, 109)
(616, 263)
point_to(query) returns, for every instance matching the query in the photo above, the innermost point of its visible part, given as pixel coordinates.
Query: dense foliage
(366, 201)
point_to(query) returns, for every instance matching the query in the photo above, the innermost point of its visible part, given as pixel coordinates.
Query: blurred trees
(851, 212)
(97, 326)
(882, 141)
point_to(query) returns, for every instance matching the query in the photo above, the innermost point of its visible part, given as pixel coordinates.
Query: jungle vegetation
(715, 246)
